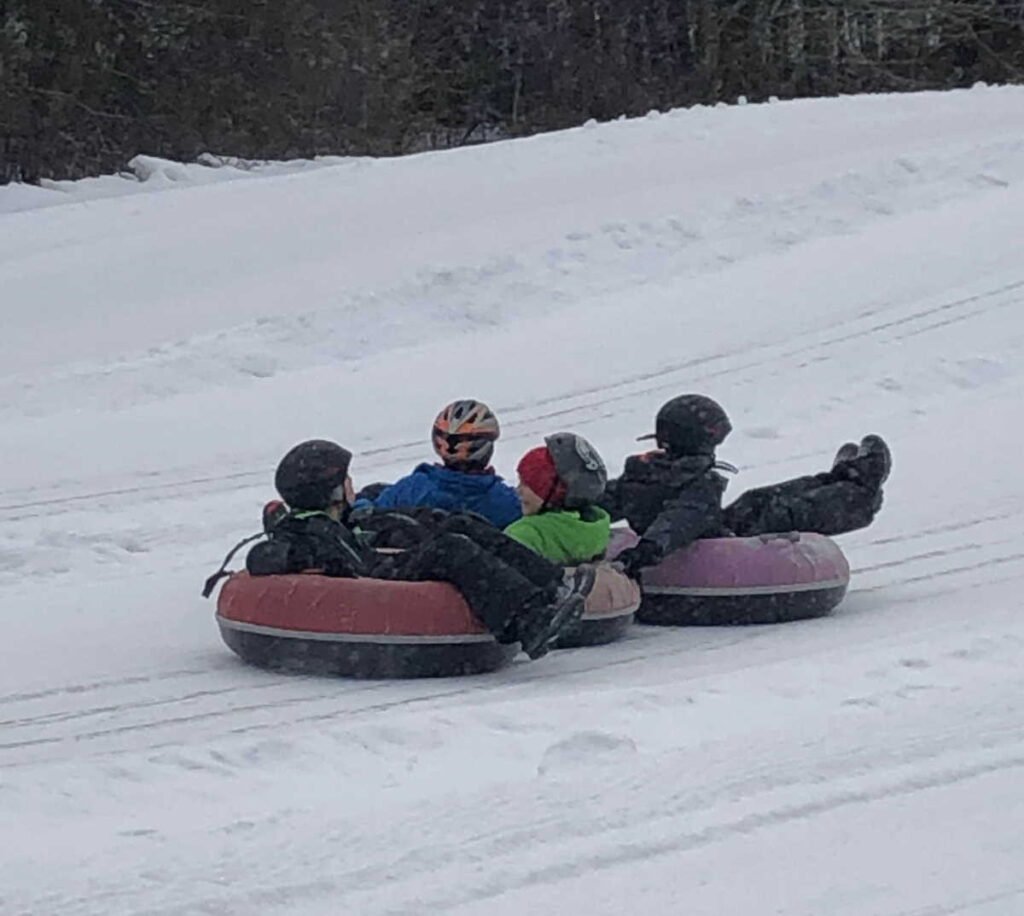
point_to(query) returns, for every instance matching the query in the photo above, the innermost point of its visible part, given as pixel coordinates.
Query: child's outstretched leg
(838, 501)
(539, 570)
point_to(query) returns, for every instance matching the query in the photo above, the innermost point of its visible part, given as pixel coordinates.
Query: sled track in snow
(948, 313)
(333, 694)
(632, 815)
(614, 850)
(19, 505)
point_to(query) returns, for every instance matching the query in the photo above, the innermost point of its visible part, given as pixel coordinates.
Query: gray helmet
(579, 467)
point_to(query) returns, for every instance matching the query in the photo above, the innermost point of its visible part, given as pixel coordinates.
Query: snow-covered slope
(825, 268)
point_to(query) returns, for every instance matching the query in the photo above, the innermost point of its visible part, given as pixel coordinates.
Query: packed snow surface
(824, 268)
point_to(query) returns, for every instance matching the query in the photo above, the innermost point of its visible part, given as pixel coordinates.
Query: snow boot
(869, 466)
(541, 627)
(874, 451)
(847, 452)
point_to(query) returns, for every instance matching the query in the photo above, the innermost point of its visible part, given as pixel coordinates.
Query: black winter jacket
(669, 501)
(312, 540)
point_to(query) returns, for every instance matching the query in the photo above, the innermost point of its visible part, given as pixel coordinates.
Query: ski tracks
(627, 396)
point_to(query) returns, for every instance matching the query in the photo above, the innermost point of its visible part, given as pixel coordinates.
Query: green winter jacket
(565, 536)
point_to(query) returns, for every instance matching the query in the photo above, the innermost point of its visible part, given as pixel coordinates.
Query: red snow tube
(771, 578)
(368, 628)
(374, 628)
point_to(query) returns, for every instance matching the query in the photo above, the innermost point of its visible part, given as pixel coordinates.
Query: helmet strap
(546, 504)
(467, 467)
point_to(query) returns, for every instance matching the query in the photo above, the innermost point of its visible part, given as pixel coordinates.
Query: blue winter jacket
(455, 491)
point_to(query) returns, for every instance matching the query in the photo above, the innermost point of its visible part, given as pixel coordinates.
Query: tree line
(86, 84)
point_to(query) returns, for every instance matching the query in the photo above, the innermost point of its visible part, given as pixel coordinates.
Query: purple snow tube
(771, 578)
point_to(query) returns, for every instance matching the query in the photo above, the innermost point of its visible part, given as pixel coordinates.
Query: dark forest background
(86, 84)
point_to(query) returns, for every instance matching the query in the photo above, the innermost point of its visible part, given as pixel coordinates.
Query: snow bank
(145, 174)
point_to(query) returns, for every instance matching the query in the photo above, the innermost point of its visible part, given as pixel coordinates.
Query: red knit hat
(537, 470)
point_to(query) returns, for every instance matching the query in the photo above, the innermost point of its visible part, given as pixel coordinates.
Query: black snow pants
(820, 503)
(499, 578)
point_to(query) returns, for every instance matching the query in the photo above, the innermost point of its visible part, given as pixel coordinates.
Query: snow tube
(367, 628)
(608, 612)
(771, 578)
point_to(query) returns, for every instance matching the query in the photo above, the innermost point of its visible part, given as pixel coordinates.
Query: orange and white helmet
(464, 434)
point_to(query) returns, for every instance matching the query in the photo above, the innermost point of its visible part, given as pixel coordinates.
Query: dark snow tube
(366, 628)
(609, 611)
(728, 581)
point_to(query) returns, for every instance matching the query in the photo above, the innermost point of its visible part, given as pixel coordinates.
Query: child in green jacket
(559, 485)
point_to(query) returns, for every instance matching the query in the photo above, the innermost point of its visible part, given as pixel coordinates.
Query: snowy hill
(825, 268)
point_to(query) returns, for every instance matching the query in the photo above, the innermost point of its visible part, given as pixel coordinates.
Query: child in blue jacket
(464, 434)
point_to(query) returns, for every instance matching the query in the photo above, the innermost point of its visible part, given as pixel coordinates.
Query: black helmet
(312, 474)
(691, 424)
(579, 467)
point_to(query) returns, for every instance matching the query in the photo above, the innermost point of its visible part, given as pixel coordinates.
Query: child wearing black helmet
(516, 593)
(673, 496)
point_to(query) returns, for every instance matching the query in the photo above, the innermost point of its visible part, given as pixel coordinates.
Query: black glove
(634, 559)
(371, 491)
(395, 530)
(429, 517)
